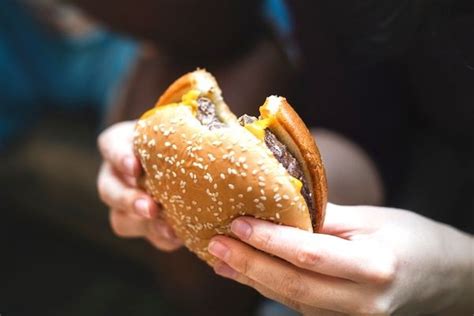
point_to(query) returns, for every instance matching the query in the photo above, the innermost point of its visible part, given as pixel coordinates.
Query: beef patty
(206, 114)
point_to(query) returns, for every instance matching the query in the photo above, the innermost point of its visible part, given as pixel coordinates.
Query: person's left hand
(367, 260)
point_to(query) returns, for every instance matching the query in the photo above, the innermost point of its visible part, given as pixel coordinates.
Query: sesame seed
(231, 186)
(249, 189)
(151, 143)
(211, 157)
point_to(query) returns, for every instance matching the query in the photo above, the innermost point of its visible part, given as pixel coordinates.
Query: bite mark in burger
(206, 167)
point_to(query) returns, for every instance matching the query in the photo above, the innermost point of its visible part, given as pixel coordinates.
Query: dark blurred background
(395, 78)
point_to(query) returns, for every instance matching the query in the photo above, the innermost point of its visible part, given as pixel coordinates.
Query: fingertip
(131, 166)
(142, 208)
(167, 233)
(241, 228)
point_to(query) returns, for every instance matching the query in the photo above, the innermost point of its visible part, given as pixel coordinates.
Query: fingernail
(224, 270)
(142, 208)
(129, 165)
(241, 228)
(219, 250)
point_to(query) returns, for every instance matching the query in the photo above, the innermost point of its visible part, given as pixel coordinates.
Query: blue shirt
(40, 68)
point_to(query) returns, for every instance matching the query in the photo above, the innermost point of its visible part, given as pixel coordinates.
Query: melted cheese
(258, 127)
(268, 113)
(296, 183)
(266, 118)
(188, 99)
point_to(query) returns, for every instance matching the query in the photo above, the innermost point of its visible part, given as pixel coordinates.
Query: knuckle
(101, 140)
(265, 240)
(126, 201)
(375, 305)
(103, 143)
(294, 287)
(385, 271)
(307, 257)
(244, 265)
(102, 189)
(162, 245)
(116, 225)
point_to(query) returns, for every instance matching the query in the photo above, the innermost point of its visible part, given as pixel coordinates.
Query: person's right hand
(133, 213)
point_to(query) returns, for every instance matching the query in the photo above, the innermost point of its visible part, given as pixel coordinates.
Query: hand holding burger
(132, 212)
(364, 261)
(361, 260)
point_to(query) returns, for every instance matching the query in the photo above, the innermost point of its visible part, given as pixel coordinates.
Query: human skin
(366, 260)
(133, 213)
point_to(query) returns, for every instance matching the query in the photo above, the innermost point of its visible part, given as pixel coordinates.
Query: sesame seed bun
(205, 178)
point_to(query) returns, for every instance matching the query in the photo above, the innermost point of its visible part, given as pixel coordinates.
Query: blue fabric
(277, 12)
(40, 68)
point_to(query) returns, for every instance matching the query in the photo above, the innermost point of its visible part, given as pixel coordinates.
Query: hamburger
(206, 167)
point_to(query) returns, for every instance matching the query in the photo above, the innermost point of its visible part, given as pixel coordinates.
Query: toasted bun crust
(292, 132)
(206, 83)
(206, 178)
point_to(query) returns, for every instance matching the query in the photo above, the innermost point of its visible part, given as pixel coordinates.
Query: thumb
(342, 219)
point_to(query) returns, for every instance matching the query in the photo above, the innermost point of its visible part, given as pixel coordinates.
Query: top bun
(205, 178)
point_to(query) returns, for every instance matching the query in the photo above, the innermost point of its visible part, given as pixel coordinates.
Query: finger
(116, 146)
(224, 270)
(117, 195)
(325, 254)
(341, 220)
(285, 279)
(162, 236)
(127, 226)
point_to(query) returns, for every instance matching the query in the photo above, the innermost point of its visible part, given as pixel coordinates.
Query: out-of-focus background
(395, 78)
